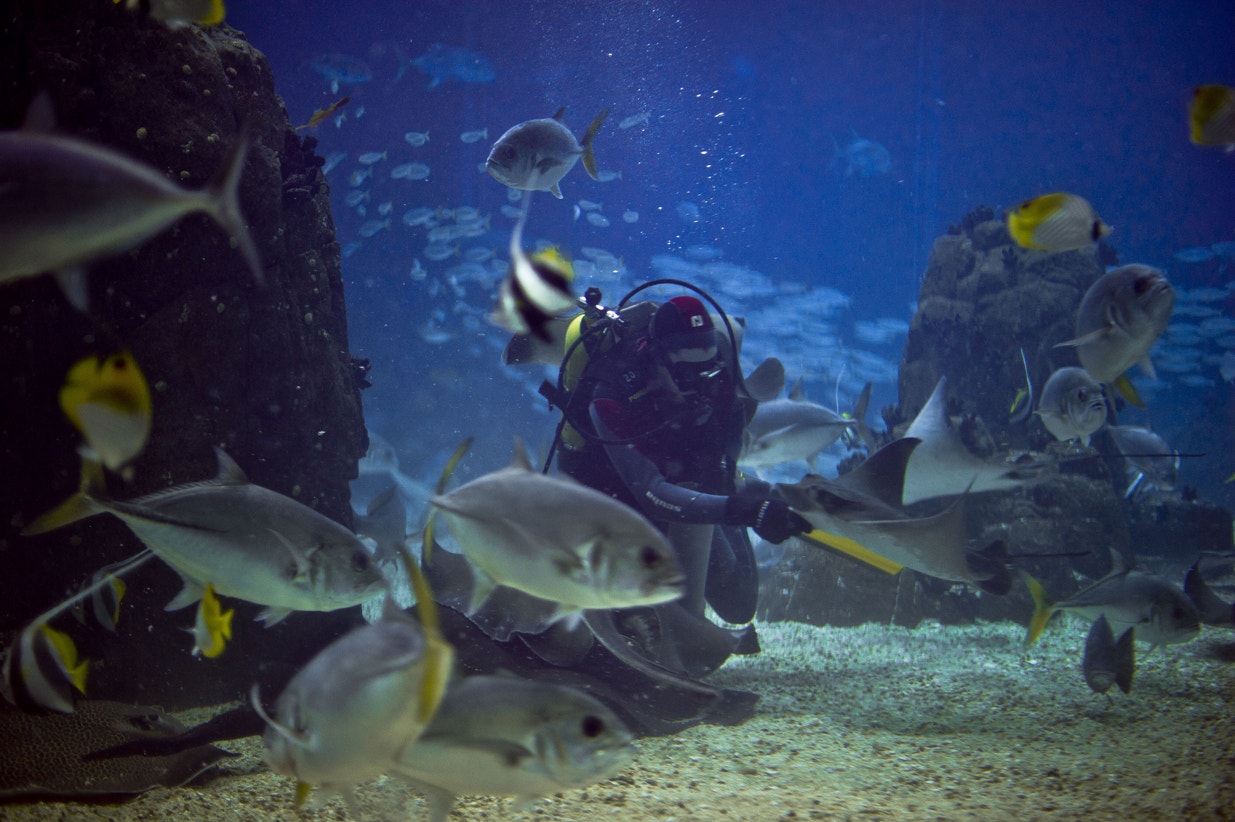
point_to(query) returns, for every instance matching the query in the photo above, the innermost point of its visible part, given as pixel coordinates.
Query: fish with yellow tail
(108, 401)
(1211, 116)
(1120, 318)
(1056, 222)
(536, 154)
(213, 627)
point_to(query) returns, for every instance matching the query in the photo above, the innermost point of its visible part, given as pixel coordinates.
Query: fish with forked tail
(1108, 661)
(534, 155)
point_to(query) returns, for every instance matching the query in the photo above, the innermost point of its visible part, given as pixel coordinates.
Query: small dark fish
(1108, 661)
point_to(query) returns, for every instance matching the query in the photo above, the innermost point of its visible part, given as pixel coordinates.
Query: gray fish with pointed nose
(251, 543)
(536, 154)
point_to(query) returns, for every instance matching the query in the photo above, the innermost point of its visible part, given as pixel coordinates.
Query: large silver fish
(1120, 318)
(1072, 405)
(792, 429)
(66, 201)
(504, 736)
(558, 540)
(536, 154)
(355, 708)
(251, 543)
(942, 466)
(862, 506)
(1160, 612)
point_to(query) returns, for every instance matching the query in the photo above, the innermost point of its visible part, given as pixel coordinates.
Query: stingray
(862, 506)
(942, 466)
(44, 754)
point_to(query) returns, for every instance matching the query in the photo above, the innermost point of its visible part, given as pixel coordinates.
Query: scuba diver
(653, 415)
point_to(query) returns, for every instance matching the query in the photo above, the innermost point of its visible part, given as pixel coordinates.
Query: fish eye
(649, 556)
(360, 560)
(592, 727)
(1140, 284)
(508, 152)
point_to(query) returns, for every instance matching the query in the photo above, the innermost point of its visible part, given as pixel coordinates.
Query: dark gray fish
(1149, 462)
(1108, 661)
(44, 756)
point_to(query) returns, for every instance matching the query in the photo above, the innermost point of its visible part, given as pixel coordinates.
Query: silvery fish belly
(502, 736)
(254, 544)
(345, 717)
(560, 540)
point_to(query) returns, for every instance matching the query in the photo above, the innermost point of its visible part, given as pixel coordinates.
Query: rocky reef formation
(263, 371)
(982, 301)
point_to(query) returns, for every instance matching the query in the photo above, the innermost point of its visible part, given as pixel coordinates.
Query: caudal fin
(1043, 608)
(224, 194)
(589, 158)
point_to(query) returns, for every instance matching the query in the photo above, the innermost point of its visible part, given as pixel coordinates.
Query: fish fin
(441, 802)
(520, 459)
(223, 193)
(1125, 659)
(300, 740)
(798, 392)
(1124, 386)
(273, 616)
(556, 191)
(1092, 336)
(482, 587)
(77, 507)
(303, 789)
(1043, 609)
(589, 157)
(40, 115)
(1147, 367)
(191, 592)
(568, 615)
(301, 558)
(74, 287)
(229, 472)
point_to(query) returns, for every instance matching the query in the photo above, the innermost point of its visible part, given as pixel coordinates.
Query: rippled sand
(873, 722)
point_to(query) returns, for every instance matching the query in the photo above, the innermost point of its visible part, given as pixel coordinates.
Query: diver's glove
(772, 519)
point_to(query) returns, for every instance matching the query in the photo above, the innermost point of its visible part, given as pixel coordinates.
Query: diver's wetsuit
(673, 457)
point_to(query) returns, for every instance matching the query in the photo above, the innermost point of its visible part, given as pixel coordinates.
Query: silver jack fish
(250, 542)
(558, 540)
(502, 736)
(1160, 612)
(793, 428)
(1072, 406)
(1120, 318)
(536, 154)
(66, 201)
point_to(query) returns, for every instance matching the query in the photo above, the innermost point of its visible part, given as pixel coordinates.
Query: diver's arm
(658, 498)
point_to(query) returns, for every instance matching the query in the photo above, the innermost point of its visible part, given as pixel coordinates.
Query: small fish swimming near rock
(213, 627)
(67, 201)
(1107, 661)
(1056, 222)
(504, 736)
(322, 114)
(1120, 318)
(108, 401)
(534, 155)
(1073, 406)
(1211, 116)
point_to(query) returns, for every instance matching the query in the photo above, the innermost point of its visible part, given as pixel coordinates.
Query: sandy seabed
(867, 723)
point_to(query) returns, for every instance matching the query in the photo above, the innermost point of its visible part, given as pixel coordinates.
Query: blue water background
(976, 103)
